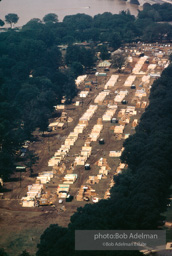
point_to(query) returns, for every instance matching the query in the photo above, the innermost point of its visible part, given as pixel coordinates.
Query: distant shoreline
(29, 9)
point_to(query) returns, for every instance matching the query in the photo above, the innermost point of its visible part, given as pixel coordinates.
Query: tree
(157, 32)
(2, 252)
(43, 116)
(24, 253)
(104, 20)
(34, 24)
(90, 34)
(72, 54)
(68, 39)
(11, 19)
(104, 54)
(134, 2)
(115, 40)
(1, 23)
(32, 158)
(87, 57)
(51, 17)
(78, 21)
(118, 60)
(76, 68)
(49, 238)
(69, 88)
(75, 53)
(170, 58)
(7, 164)
(53, 58)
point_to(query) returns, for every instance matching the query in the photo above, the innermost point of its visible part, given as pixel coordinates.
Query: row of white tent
(139, 65)
(84, 155)
(112, 81)
(83, 94)
(120, 96)
(72, 137)
(95, 132)
(145, 79)
(130, 80)
(80, 79)
(110, 112)
(101, 96)
(34, 192)
(140, 93)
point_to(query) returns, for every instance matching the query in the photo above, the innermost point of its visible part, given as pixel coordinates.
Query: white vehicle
(63, 190)
(1, 182)
(95, 199)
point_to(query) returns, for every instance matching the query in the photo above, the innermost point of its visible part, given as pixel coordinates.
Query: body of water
(29, 9)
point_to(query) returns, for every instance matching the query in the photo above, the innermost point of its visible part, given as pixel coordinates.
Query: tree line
(106, 27)
(31, 83)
